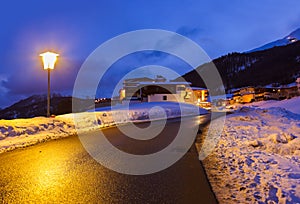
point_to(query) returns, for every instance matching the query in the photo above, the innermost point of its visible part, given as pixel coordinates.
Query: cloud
(190, 32)
(3, 80)
(31, 81)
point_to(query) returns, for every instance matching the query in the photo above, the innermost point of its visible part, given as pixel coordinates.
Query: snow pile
(24, 132)
(257, 159)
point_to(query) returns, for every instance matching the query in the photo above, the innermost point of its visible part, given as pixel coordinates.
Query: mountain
(291, 38)
(280, 65)
(36, 105)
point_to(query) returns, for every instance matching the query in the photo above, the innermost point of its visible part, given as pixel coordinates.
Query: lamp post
(49, 59)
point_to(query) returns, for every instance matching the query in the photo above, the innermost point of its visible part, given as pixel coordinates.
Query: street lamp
(49, 59)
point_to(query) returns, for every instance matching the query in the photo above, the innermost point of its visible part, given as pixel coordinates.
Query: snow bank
(148, 111)
(24, 132)
(143, 112)
(257, 159)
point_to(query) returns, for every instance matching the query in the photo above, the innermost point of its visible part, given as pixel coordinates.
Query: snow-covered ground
(24, 132)
(257, 158)
(292, 104)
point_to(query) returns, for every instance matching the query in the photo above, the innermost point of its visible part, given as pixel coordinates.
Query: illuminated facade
(248, 94)
(298, 85)
(196, 96)
(159, 89)
(149, 90)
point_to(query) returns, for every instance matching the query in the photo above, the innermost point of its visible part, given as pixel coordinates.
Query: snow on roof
(282, 86)
(198, 88)
(229, 95)
(234, 90)
(165, 83)
(138, 80)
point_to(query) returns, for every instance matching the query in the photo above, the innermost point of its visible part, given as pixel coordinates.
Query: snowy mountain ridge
(291, 38)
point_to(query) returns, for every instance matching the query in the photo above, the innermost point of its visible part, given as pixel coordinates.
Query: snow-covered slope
(257, 158)
(292, 104)
(293, 37)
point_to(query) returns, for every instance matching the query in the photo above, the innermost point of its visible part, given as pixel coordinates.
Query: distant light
(49, 59)
(293, 40)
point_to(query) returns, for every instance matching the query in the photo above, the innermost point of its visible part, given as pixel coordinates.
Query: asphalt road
(62, 171)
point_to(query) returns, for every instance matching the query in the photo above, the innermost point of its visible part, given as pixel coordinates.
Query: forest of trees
(278, 65)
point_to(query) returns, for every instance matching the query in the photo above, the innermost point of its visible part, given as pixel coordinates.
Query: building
(236, 96)
(197, 96)
(150, 90)
(272, 93)
(259, 93)
(282, 92)
(250, 94)
(298, 85)
(130, 88)
(164, 91)
(247, 94)
(159, 89)
(289, 92)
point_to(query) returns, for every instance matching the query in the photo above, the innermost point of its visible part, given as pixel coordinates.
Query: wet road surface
(61, 171)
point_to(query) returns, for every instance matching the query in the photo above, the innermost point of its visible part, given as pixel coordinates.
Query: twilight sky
(75, 28)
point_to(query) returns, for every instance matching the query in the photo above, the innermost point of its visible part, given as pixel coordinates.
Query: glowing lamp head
(49, 59)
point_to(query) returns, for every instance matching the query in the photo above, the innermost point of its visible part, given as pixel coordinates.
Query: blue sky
(75, 28)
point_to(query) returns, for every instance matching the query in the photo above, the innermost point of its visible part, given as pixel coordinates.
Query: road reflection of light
(203, 119)
(48, 178)
(47, 175)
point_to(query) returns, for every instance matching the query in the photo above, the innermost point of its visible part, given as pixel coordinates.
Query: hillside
(279, 65)
(36, 106)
